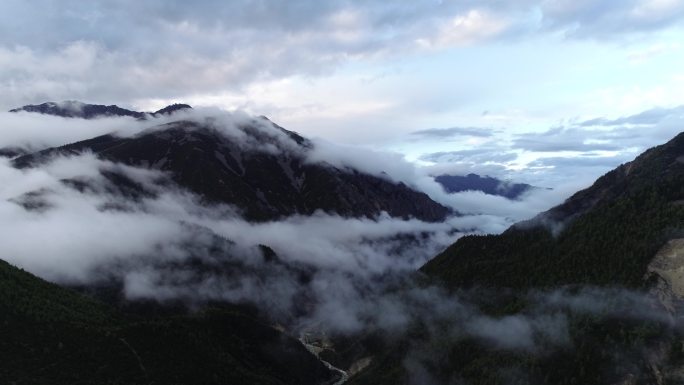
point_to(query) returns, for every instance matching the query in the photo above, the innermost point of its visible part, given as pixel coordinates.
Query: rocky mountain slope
(265, 174)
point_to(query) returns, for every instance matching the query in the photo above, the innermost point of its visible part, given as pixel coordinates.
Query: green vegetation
(611, 245)
(51, 335)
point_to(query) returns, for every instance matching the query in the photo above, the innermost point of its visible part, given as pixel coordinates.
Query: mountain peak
(171, 108)
(269, 178)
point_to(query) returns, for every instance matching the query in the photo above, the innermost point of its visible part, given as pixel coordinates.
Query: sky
(534, 90)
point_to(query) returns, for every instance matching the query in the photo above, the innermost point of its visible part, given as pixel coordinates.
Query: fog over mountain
(131, 213)
(341, 193)
(121, 215)
(138, 229)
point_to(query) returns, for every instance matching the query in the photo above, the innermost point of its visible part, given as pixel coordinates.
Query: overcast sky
(549, 87)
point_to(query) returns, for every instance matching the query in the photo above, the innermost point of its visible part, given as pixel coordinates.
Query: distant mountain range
(75, 109)
(488, 185)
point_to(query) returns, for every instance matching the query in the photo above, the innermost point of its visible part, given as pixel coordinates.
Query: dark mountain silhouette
(12, 152)
(170, 109)
(486, 184)
(75, 109)
(264, 185)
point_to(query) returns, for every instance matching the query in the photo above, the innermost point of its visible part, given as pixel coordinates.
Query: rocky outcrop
(665, 274)
(666, 271)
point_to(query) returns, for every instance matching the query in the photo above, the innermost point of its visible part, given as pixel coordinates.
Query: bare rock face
(666, 274)
(667, 269)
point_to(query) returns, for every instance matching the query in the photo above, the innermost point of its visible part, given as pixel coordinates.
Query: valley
(279, 260)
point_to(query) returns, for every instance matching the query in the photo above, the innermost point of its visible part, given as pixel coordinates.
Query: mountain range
(262, 184)
(76, 109)
(588, 292)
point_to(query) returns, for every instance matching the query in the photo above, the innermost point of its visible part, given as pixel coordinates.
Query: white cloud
(652, 51)
(472, 26)
(126, 51)
(71, 232)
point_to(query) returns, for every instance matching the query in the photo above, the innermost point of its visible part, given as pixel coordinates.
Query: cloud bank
(171, 49)
(71, 220)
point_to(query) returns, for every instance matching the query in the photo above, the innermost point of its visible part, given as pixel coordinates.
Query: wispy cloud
(480, 155)
(644, 118)
(454, 132)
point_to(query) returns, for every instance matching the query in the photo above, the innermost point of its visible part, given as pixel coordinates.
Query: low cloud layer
(35, 131)
(451, 132)
(68, 220)
(333, 272)
(80, 228)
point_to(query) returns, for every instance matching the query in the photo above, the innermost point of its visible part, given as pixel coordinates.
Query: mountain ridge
(264, 185)
(488, 185)
(76, 109)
